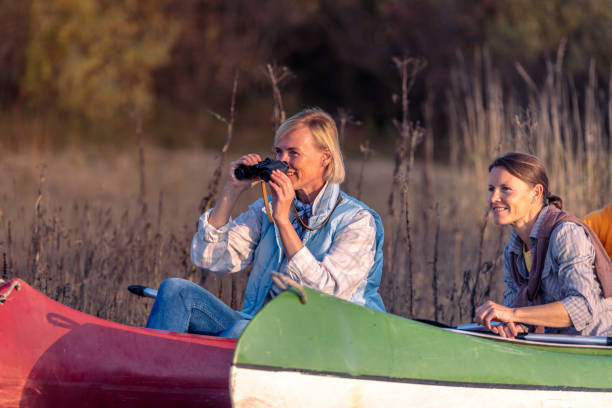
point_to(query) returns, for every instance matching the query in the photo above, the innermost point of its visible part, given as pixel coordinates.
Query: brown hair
(529, 169)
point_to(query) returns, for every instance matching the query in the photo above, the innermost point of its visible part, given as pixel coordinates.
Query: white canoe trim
(252, 387)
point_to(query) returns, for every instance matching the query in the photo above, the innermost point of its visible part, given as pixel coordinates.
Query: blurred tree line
(93, 63)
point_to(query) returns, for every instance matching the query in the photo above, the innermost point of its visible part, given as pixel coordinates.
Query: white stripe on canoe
(262, 388)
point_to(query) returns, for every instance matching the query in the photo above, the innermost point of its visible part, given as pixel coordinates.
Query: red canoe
(54, 356)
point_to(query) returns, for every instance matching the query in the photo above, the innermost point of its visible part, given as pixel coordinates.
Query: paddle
(541, 338)
(143, 291)
(566, 339)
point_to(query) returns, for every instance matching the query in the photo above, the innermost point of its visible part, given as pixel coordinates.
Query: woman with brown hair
(556, 271)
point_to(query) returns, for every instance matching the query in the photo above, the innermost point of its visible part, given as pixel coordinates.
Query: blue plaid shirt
(568, 276)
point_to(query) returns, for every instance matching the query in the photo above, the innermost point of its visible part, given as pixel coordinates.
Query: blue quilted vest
(269, 253)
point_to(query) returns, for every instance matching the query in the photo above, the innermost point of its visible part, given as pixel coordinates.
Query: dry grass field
(79, 225)
(72, 225)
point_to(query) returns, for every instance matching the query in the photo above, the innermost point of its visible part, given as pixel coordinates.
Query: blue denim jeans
(182, 306)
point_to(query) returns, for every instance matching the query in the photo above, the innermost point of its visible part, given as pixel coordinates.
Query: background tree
(14, 17)
(93, 57)
(172, 58)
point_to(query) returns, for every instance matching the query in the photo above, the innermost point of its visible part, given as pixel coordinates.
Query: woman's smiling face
(512, 201)
(307, 162)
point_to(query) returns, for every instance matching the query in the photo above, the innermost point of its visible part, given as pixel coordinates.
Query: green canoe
(330, 353)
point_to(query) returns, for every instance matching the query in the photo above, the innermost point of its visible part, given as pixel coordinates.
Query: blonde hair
(325, 135)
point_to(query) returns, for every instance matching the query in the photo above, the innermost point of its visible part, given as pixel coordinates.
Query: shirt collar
(516, 244)
(326, 199)
(317, 200)
(538, 223)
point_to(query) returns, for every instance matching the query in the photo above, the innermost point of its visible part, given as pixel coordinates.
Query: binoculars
(263, 169)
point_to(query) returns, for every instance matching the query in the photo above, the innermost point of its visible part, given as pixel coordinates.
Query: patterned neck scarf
(304, 211)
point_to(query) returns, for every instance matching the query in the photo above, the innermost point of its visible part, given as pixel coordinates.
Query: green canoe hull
(328, 342)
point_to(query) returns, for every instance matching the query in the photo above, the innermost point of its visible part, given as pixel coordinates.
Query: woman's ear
(538, 191)
(326, 158)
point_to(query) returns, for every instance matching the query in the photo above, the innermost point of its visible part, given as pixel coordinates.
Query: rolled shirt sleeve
(574, 254)
(347, 263)
(230, 247)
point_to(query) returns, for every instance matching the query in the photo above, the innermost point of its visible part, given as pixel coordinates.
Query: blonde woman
(317, 235)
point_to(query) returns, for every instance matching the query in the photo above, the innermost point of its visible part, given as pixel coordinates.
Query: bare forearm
(220, 214)
(290, 239)
(549, 315)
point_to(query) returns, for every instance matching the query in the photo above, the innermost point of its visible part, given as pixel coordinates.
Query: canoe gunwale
(495, 337)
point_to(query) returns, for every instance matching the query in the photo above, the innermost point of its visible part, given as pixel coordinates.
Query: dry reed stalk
(416, 137)
(4, 267)
(591, 137)
(345, 118)
(159, 244)
(464, 312)
(366, 152)
(409, 135)
(428, 156)
(453, 130)
(557, 111)
(8, 266)
(429, 202)
(610, 105)
(37, 241)
(213, 186)
(142, 196)
(276, 76)
(480, 266)
(499, 251)
(434, 268)
(457, 253)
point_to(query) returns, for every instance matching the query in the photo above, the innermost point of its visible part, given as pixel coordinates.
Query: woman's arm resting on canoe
(549, 315)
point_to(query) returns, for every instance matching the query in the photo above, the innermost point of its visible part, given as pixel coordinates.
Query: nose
(493, 196)
(282, 156)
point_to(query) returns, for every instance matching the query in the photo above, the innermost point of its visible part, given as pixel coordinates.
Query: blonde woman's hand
(282, 196)
(242, 185)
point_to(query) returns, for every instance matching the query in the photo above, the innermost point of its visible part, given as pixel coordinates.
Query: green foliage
(527, 30)
(89, 59)
(13, 39)
(94, 57)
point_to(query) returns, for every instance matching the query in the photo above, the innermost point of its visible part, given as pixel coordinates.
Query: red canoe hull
(52, 355)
